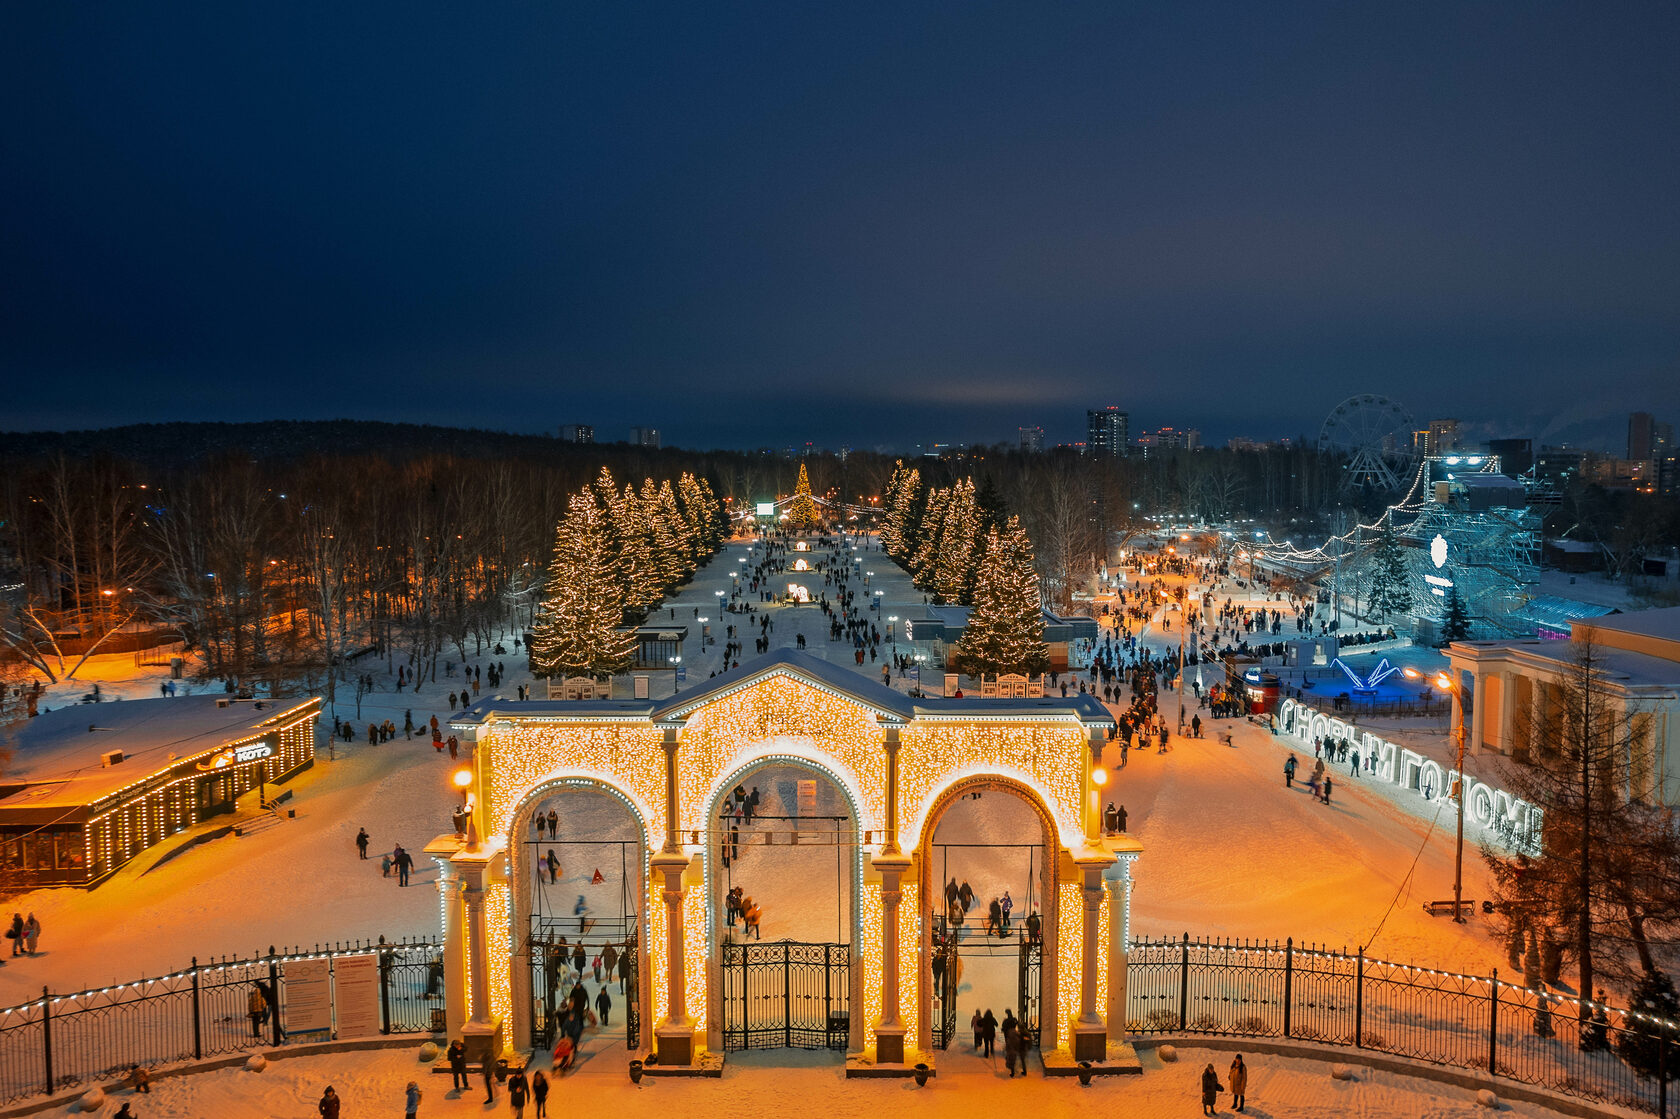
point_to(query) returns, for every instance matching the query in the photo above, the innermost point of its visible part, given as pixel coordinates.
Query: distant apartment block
(1032, 438)
(577, 433)
(1107, 432)
(645, 437)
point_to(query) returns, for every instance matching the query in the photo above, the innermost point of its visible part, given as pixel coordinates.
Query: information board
(307, 1000)
(356, 995)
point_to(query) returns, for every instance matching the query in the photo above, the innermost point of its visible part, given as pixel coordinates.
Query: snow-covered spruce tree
(578, 625)
(1391, 589)
(1455, 626)
(802, 513)
(1006, 627)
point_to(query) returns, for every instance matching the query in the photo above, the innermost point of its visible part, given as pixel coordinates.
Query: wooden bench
(1466, 908)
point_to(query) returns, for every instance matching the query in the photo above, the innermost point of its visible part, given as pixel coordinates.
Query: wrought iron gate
(786, 995)
(945, 982)
(551, 956)
(1031, 985)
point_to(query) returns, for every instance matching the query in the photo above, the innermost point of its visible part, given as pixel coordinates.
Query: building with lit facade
(896, 765)
(90, 787)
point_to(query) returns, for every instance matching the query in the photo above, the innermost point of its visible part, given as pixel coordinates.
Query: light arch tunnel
(896, 767)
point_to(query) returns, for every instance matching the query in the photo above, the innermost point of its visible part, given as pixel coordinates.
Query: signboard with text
(356, 995)
(307, 999)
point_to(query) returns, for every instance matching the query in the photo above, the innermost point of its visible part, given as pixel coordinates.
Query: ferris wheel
(1373, 435)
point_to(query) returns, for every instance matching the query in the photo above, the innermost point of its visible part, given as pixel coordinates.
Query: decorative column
(1117, 879)
(441, 850)
(482, 1032)
(891, 864)
(1089, 1034)
(673, 1037)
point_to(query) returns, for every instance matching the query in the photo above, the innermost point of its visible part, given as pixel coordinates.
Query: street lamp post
(892, 631)
(1447, 684)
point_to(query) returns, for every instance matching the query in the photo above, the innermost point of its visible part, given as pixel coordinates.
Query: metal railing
(1239, 988)
(64, 1041)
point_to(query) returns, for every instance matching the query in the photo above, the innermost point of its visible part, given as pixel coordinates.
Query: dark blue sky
(843, 223)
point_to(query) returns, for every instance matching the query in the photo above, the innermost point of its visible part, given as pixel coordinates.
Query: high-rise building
(577, 433)
(1642, 437)
(1193, 439)
(1515, 455)
(645, 437)
(1107, 432)
(1032, 438)
(1169, 439)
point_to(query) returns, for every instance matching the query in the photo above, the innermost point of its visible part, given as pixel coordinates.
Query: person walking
(457, 1055)
(1012, 1043)
(15, 934)
(404, 863)
(328, 1107)
(519, 1089)
(1327, 786)
(1210, 1090)
(31, 934)
(411, 1100)
(1289, 772)
(539, 1093)
(979, 1027)
(603, 1005)
(256, 1007)
(489, 1075)
(1238, 1077)
(988, 1031)
(362, 842)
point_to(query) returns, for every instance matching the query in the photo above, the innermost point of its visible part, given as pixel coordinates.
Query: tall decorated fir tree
(578, 626)
(1391, 590)
(898, 533)
(1006, 627)
(803, 513)
(923, 560)
(1455, 625)
(954, 568)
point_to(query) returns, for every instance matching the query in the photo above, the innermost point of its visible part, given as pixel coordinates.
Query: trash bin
(177, 667)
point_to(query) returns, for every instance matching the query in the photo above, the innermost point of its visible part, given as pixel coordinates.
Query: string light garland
(1049, 759)
(522, 758)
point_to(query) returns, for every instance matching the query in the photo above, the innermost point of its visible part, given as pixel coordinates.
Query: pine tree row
(958, 546)
(616, 554)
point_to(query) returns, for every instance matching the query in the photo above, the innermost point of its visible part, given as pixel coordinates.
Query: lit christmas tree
(803, 512)
(900, 524)
(925, 556)
(1006, 627)
(954, 568)
(578, 627)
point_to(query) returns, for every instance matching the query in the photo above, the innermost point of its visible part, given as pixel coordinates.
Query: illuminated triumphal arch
(849, 783)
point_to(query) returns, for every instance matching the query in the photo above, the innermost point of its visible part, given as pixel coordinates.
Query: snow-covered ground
(808, 1084)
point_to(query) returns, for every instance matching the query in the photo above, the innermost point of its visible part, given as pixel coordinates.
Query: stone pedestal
(483, 1041)
(674, 1043)
(1090, 1040)
(889, 1045)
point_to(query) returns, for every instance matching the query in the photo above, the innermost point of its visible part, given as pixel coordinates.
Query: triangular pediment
(882, 702)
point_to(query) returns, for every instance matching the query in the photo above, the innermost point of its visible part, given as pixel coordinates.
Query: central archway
(994, 834)
(784, 833)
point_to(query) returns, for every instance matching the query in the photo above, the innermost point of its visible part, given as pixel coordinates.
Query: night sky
(850, 224)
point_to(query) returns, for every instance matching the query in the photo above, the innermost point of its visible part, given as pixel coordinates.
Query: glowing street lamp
(892, 634)
(1446, 684)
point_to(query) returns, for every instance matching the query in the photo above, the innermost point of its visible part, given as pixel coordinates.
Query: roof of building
(1663, 623)
(58, 753)
(884, 702)
(1556, 613)
(1615, 666)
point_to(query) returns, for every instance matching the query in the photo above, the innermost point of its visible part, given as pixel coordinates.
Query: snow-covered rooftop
(59, 752)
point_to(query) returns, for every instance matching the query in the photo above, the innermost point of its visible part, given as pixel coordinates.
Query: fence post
(1288, 981)
(1184, 985)
(46, 1035)
(1662, 1075)
(274, 985)
(198, 1028)
(1493, 1025)
(1359, 1000)
(384, 988)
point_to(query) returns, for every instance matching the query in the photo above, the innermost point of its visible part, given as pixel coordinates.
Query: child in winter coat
(411, 1100)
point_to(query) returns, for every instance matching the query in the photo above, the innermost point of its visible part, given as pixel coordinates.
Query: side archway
(546, 865)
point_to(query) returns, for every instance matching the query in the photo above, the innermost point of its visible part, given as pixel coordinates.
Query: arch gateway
(849, 782)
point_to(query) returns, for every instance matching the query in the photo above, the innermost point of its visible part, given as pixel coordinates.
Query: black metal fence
(205, 1010)
(1267, 989)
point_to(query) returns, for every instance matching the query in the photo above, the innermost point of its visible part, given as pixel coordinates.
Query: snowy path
(795, 1085)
